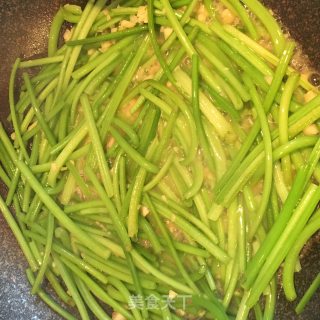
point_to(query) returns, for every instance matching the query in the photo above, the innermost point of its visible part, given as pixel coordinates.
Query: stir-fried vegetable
(164, 161)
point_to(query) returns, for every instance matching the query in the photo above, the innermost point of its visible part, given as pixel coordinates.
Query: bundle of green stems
(162, 151)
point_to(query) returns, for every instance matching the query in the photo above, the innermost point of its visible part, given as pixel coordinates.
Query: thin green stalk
(108, 115)
(170, 245)
(193, 233)
(291, 259)
(121, 230)
(197, 113)
(41, 61)
(109, 36)
(283, 123)
(267, 181)
(13, 185)
(160, 175)
(178, 209)
(49, 301)
(243, 50)
(46, 256)
(134, 154)
(13, 114)
(69, 281)
(42, 122)
(79, 92)
(285, 241)
(33, 160)
(97, 145)
(269, 22)
(55, 32)
(226, 180)
(138, 183)
(159, 275)
(225, 72)
(96, 289)
(61, 159)
(154, 42)
(308, 294)
(245, 18)
(90, 301)
(81, 31)
(271, 299)
(213, 307)
(18, 234)
(49, 202)
(65, 239)
(258, 260)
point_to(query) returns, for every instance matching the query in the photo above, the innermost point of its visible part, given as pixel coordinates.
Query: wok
(24, 30)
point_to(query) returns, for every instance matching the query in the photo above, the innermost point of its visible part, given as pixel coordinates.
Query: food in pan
(163, 161)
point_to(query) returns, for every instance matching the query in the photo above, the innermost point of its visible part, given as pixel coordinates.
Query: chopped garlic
(144, 211)
(125, 111)
(309, 96)
(268, 79)
(227, 17)
(67, 35)
(172, 294)
(125, 24)
(169, 84)
(142, 14)
(91, 52)
(105, 46)
(166, 32)
(311, 130)
(181, 312)
(107, 14)
(148, 72)
(110, 142)
(13, 136)
(202, 14)
(117, 316)
(255, 246)
(134, 19)
(53, 166)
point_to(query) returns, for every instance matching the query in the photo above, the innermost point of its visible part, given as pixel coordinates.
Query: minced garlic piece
(311, 130)
(91, 52)
(309, 96)
(67, 35)
(202, 14)
(144, 211)
(117, 316)
(110, 142)
(134, 19)
(125, 113)
(105, 46)
(140, 18)
(107, 14)
(268, 79)
(227, 16)
(142, 14)
(125, 24)
(181, 312)
(172, 294)
(148, 72)
(166, 32)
